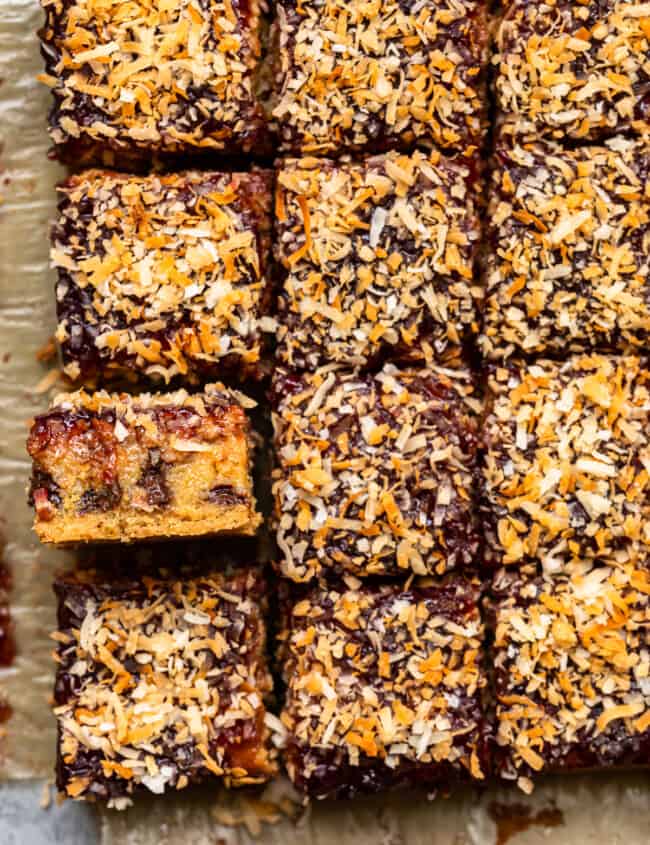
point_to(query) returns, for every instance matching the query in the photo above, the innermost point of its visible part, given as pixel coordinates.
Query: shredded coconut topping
(161, 684)
(572, 666)
(382, 680)
(573, 70)
(367, 74)
(567, 467)
(376, 473)
(379, 255)
(161, 275)
(152, 75)
(569, 263)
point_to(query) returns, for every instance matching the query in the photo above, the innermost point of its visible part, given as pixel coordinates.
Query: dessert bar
(118, 468)
(372, 76)
(160, 684)
(379, 259)
(135, 81)
(566, 464)
(162, 277)
(376, 473)
(571, 70)
(569, 236)
(571, 657)
(384, 688)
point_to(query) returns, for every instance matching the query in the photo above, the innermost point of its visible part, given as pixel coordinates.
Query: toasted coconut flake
(173, 270)
(149, 78)
(384, 678)
(571, 658)
(154, 731)
(361, 76)
(590, 60)
(362, 278)
(376, 473)
(575, 487)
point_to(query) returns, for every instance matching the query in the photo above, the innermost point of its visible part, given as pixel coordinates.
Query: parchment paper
(596, 809)
(26, 322)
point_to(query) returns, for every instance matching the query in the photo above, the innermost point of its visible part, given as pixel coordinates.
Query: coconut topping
(127, 407)
(379, 259)
(152, 75)
(161, 276)
(384, 683)
(569, 265)
(566, 473)
(572, 666)
(573, 70)
(376, 473)
(365, 75)
(161, 684)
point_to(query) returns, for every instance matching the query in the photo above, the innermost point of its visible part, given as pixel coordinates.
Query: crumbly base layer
(124, 527)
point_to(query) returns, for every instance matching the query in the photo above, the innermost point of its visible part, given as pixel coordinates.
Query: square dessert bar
(384, 688)
(567, 454)
(371, 76)
(162, 276)
(134, 81)
(572, 661)
(113, 467)
(573, 70)
(379, 259)
(569, 234)
(376, 473)
(160, 684)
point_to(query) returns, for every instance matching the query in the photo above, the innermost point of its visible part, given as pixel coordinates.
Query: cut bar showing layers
(384, 687)
(573, 71)
(113, 467)
(161, 684)
(376, 473)
(379, 259)
(134, 81)
(569, 239)
(162, 276)
(373, 76)
(572, 671)
(566, 470)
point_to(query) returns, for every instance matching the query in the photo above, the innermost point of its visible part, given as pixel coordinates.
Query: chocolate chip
(225, 494)
(100, 499)
(153, 479)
